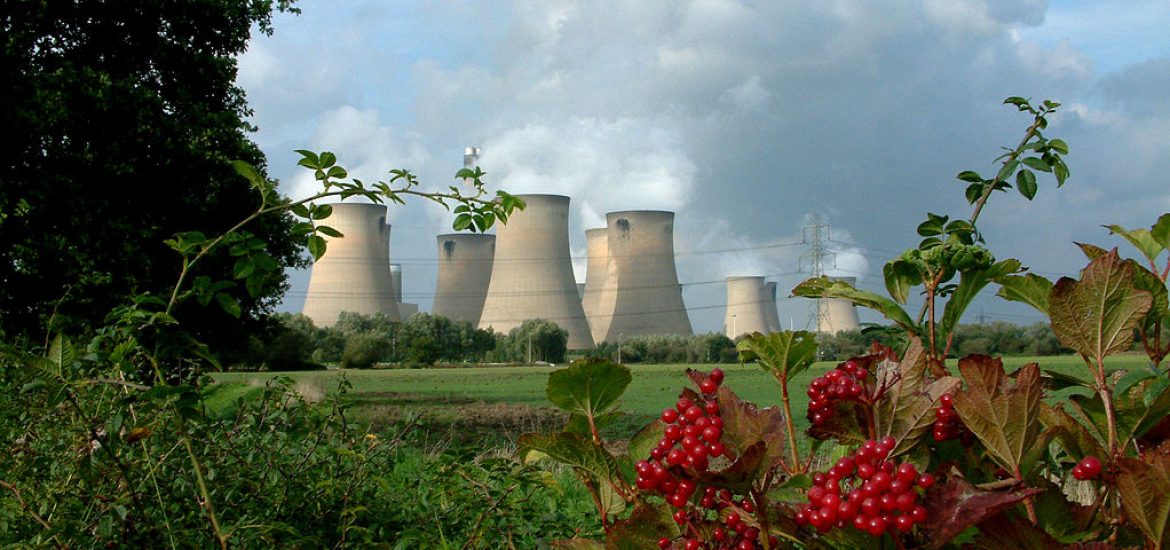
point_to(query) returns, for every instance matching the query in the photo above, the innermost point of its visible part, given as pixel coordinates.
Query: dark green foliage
(363, 350)
(120, 121)
(534, 340)
(700, 348)
(995, 338)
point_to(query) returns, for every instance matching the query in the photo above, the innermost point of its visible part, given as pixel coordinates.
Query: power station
(532, 273)
(770, 310)
(465, 270)
(352, 274)
(596, 271)
(834, 314)
(641, 295)
(747, 306)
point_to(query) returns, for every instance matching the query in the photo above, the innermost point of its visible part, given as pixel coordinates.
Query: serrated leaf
(569, 449)
(784, 354)
(745, 424)
(1070, 434)
(577, 543)
(1003, 415)
(1007, 170)
(1092, 251)
(1097, 315)
(61, 353)
(1026, 183)
(1030, 289)
(646, 524)
(956, 505)
(250, 173)
(743, 472)
(1141, 239)
(1037, 163)
(906, 411)
(970, 176)
(1145, 494)
(588, 387)
(824, 287)
(317, 246)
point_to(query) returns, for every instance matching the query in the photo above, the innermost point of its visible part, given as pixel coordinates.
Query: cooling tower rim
(541, 196)
(356, 205)
(596, 231)
(466, 236)
(745, 277)
(652, 213)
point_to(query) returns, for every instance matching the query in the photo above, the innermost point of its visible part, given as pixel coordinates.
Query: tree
(121, 119)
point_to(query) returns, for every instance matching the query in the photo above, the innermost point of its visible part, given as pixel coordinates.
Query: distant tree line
(293, 342)
(996, 338)
(700, 348)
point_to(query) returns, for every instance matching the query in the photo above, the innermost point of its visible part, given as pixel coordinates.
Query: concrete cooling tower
(835, 314)
(747, 309)
(596, 267)
(641, 295)
(532, 274)
(465, 269)
(351, 275)
(396, 277)
(770, 307)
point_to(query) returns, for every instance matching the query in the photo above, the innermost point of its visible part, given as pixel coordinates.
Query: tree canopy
(121, 119)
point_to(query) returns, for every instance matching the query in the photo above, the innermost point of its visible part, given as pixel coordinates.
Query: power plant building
(770, 307)
(834, 314)
(532, 273)
(352, 274)
(596, 271)
(747, 307)
(465, 270)
(641, 295)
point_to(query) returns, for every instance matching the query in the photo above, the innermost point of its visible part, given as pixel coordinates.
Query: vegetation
(996, 338)
(917, 456)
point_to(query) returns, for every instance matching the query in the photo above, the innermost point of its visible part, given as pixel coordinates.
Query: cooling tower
(746, 306)
(351, 275)
(596, 270)
(836, 314)
(770, 307)
(532, 275)
(641, 295)
(396, 278)
(465, 269)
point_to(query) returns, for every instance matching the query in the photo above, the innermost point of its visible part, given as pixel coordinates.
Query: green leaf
(1004, 416)
(1141, 239)
(1160, 231)
(1030, 289)
(970, 284)
(588, 387)
(327, 160)
(61, 353)
(900, 276)
(462, 221)
(229, 304)
(1092, 251)
(1145, 494)
(325, 229)
(1097, 315)
(643, 528)
(1026, 183)
(646, 439)
(309, 159)
(1007, 170)
(1059, 146)
(1036, 163)
(824, 287)
(933, 225)
(321, 211)
(250, 173)
(317, 246)
(337, 173)
(973, 192)
(785, 354)
(569, 449)
(1060, 170)
(969, 176)
(1070, 434)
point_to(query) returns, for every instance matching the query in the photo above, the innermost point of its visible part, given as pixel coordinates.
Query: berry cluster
(1088, 468)
(844, 383)
(948, 425)
(868, 492)
(733, 533)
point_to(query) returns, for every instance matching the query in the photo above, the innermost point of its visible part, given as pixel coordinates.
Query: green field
(488, 402)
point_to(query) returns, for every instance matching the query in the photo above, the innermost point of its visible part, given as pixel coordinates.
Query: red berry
(708, 386)
(1091, 466)
(669, 416)
(664, 543)
(904, 523)
(919, 514)
(926, 481)
(876, 526)
(711, 408)
(716, 375)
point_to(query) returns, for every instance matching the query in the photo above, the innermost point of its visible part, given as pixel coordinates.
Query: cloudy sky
(749, 119)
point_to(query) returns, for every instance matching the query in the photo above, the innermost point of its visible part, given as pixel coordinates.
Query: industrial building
(465, 270)
(747, 306)
(532, 272)
(836, 314)
(352, 274)
(770, 309)
(596, 271)
(641, 295)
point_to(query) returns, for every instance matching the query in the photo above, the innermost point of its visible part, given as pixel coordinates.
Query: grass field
(489, 403)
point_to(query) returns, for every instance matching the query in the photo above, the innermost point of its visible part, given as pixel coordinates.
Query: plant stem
(788, 421)
(1015, 154)
(203, 491)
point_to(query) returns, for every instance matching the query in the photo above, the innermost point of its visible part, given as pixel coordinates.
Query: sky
(749, 120)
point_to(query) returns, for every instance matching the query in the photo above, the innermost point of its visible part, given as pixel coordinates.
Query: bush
(362, 351)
